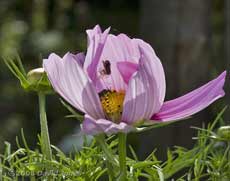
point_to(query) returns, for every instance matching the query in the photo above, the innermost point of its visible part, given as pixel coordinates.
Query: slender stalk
(108, 153)
(228, 157)
(122, 156)
(45, 140)
(111, 162)
(110, 171)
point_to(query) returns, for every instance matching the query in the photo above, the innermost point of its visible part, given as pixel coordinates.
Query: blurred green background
(191, 37)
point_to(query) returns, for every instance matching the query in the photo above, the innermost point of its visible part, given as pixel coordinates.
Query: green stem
(45, 140)
(122, 156)
(110, 171)
(111, 161)
(228, 157)
(108, 153)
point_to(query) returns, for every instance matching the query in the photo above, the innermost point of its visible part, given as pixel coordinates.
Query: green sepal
(36, 81)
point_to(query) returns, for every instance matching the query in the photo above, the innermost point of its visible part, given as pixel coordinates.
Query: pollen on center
(112, 104)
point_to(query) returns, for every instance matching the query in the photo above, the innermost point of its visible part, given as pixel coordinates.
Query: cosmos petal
(70, 81)
(94, 51)
(127, 69)
(92, 127)
(80, 57)
(193, 102)
(117, 49)
(156, 69)
(144, 97)
(92, 32)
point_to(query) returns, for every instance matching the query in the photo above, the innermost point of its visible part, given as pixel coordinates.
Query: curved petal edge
(70, 81)
(91, 126)
(144, 93)
(127, 69)
(193, 102)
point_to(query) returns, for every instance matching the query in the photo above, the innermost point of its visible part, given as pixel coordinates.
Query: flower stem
(111, 161)
(122, 156)
(45, 140)
(108, 153)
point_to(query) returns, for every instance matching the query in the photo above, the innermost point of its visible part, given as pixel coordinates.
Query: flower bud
(38, 81)
(224, 133)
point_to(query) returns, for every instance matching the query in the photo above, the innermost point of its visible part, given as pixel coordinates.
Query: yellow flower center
(112, 104)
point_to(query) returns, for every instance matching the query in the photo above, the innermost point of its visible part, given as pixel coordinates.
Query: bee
(107, 68)
(105, 72)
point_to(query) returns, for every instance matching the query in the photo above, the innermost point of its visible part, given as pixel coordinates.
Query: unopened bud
(38, 80)
(35, 74)
(224, 132)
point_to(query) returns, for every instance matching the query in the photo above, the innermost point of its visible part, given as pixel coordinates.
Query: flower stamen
(112, 104)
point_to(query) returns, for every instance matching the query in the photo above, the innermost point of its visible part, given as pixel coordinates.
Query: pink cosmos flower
(120, 83)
